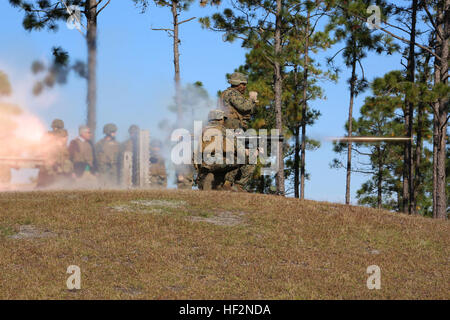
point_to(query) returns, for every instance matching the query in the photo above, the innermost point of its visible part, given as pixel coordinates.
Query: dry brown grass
(214, 245)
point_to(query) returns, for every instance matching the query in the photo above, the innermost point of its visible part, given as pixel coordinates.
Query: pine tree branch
(433, 23)
(426, 48)
(166, 30)
(187, 20)
(106, 4)
(362, 69)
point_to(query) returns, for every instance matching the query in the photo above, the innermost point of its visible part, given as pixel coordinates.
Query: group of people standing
(85, 164)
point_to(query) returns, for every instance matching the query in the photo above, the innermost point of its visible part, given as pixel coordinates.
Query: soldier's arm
(239, 102)
(98, 150)
(73, 148)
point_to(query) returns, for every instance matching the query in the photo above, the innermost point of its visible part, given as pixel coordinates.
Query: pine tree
(437, 14)
(305, 39)
(41, 15)
(263, 24)
(176, 8)
(441, 22)
(383, 115)
(57, 71)
(377, 119)
(359, 40)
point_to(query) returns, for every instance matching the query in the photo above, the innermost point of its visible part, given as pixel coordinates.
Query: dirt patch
(149, 206)
(223, 218)
(159, 203)
(132, 291)
(32, 232)
(122, 208)
(176, 288)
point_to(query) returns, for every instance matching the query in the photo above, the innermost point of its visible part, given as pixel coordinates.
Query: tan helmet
(57, 124)
(237, 78)
(109, 128)
(134, 129)
(216, 115)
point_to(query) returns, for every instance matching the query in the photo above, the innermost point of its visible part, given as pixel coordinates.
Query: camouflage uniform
(212, 176)
(57, 167)
(236, 106)
(238, 110)
(107, 153)
(158, 175)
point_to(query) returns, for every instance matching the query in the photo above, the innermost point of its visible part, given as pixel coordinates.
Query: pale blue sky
(135, 71)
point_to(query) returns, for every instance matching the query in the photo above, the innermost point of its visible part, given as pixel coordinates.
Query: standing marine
(57, 125)
(238, 110)
(57, 168)
(107, 153)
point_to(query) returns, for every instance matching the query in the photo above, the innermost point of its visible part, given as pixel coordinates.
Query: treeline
(283, 39)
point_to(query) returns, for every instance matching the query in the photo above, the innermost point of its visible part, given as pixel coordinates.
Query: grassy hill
(214, 245)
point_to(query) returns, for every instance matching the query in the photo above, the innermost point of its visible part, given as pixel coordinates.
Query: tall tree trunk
(304, 108)
(261, 184)
(297, 162)
(409, 117)
(418, 179)
(176, 61)
(435, 152)
(441, 109)
(278, 96)
(405, 190)
(437, 77)
(303, 156)
(418, 155)
(297, 139)
(91, 15)
(380, 178)
(350, 131)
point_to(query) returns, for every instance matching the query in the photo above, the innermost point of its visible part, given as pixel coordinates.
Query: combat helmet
(216, 115)
(57, 124)
(134, 129)
(109, 129)
(237, 78)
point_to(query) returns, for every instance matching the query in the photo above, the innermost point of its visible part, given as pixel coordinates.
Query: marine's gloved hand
(253, 96)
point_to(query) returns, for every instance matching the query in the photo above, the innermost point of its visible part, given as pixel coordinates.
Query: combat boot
(227, 186)
(238, 188)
